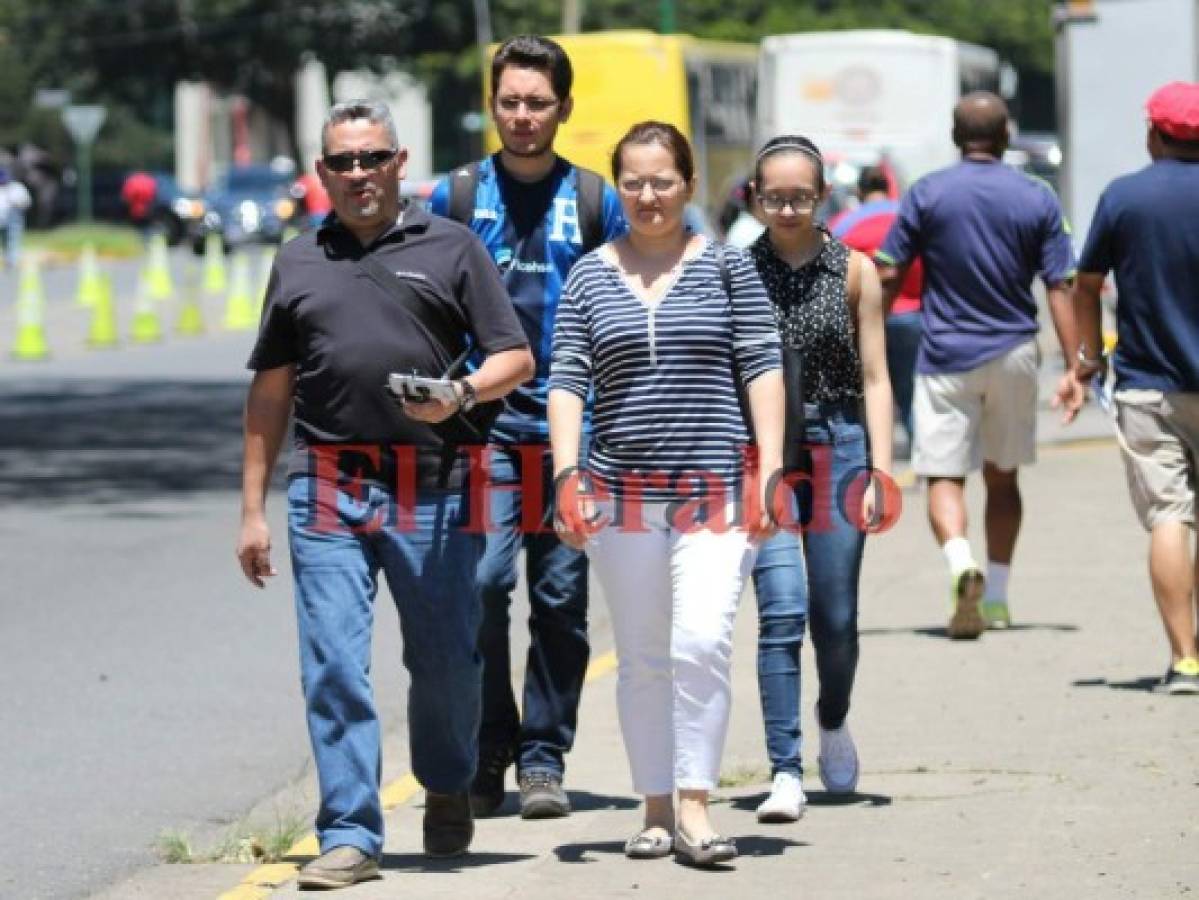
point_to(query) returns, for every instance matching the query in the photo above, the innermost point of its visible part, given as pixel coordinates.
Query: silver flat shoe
(644, 845)
(708, 852)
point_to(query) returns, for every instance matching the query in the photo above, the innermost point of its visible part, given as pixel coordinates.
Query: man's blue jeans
(903, 345)
(832, 547)
(339, 542)
(558, 649)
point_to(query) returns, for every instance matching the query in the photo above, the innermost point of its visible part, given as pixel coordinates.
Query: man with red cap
(1146, 230)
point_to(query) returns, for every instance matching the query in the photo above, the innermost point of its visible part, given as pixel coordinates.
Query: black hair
(665, 135)
(872, 180)
(1181, 145)
(790, 143)
(532, 51)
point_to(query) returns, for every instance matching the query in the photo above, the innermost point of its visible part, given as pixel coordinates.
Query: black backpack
(589, 187)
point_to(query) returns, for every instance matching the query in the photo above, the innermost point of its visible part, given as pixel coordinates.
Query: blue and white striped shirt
(663, 374)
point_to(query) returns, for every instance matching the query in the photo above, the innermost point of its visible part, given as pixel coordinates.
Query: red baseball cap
(1174, 110)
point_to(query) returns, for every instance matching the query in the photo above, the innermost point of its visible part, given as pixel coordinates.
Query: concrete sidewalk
(1031, 763)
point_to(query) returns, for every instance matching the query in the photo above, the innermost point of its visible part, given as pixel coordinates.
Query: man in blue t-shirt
(537, 214)
(984, 231)
(1146, 229)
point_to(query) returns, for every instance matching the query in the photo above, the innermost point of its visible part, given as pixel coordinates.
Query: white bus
(863, 95)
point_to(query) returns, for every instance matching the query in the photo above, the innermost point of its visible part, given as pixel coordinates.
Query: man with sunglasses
(375, 484)
(537, 214)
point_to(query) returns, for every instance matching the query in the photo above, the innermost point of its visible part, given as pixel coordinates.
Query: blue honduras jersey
(532, 232)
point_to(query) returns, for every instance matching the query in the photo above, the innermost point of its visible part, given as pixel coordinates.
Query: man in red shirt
(137, 193)
(864, 228)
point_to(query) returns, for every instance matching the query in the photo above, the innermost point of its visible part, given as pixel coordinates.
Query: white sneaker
(786, 801)
(838, 760)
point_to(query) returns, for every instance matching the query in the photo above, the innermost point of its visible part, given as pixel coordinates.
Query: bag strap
(446, 333)
(853, 286)
(722, 264)
(589, 188)
(464, 184)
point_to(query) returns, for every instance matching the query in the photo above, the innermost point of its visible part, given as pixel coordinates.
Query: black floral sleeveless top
(811, 306)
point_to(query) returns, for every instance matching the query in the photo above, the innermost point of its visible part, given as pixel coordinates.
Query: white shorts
(988, 413)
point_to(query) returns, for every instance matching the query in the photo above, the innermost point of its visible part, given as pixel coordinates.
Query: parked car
(250, 204)
(1037, 153)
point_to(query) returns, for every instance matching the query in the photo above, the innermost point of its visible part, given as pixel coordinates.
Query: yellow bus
(704, 88)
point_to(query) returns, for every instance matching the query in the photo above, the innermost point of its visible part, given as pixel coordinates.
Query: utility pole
(572, 15)
(483, 29)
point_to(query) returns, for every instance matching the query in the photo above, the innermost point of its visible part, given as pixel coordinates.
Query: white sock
(958, 555)
(997, 575)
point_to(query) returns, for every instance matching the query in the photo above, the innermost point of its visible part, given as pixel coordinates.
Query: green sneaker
(997, 614)
(966, 620)
(1181, 678)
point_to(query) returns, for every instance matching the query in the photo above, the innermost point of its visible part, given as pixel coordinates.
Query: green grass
(174, 847)
(68, 240)
(740, 776)
(244, 842)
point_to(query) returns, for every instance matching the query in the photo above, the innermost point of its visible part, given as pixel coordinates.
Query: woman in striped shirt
(646, 323)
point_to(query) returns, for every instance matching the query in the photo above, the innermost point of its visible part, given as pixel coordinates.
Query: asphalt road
(149, 687)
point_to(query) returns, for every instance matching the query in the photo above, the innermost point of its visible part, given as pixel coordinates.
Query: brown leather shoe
(449, 825)
(339, 867)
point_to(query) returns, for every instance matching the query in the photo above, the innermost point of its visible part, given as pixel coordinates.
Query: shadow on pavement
(114, 441)
(939, 632)
(580, 801)
(585, 801)
(757, 845)
(418, 862)
(1145, 685)
(577, 853)
(751, 802)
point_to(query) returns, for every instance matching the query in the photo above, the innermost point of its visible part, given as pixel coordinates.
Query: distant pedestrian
(379, 288)
(138, 194)
(741, 221)
(828, 304)
(314, 197)
(984, 231)
(536, 213)
(864, 228)
(14, 203)
(1146, 230)
(646, 323)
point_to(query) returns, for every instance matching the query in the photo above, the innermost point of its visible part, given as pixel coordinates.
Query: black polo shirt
(345, 332)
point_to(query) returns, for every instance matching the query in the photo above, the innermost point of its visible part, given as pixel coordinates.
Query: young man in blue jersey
(537, 214)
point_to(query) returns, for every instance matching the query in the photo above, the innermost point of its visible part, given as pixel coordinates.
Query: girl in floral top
(828, 305)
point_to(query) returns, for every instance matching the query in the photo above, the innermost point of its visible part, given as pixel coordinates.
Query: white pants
(673, 598)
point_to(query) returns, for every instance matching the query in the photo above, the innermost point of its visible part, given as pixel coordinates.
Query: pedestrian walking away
(376, 484)
(864, 229)
(1146, 230)
(984, 230)
(828, 304)
(14, 204)
(646, 323)
(536, 213)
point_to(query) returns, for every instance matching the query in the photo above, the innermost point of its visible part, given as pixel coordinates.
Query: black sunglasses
(367, 160)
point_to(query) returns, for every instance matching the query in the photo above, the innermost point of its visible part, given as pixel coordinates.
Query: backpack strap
(589, 187)
(464, 184)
